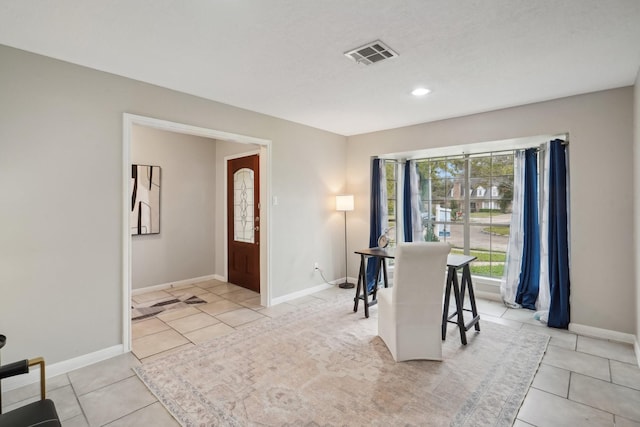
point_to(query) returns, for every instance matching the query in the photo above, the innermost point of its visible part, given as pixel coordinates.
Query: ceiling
(285, 58)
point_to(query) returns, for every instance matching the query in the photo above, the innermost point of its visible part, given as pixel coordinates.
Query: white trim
(477, 147)
(607, 334)
(265, 170)
(126, 231)
(63, 367)
(175, 284)
(193, 130)
(265, 236)
(304, 292)
(219, 277)
(493, 296)
(636, 347)
(488, 281)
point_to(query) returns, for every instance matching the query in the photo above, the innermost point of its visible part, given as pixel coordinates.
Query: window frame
(466, 195)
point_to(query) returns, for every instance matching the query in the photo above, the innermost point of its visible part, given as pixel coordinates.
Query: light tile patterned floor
(582, 381)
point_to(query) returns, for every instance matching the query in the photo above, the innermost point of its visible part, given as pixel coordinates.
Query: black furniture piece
(41, 413)
(455, 263)
(379, 255)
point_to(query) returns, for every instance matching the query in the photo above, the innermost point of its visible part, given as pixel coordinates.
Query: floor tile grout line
(133, 412)
(610, 382)
(576, 402)
(133, 374)
(77, 396)
(184, 334)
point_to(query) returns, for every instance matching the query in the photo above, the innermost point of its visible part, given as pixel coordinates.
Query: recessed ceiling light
(421, 91)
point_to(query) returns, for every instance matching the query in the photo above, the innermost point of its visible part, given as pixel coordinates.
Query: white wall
(61, 199)
(184, 249)
(600, 127)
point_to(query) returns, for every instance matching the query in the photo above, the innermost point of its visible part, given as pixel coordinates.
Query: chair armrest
(15, 368)
(22, 367)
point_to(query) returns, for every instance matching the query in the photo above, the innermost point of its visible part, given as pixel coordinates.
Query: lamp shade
(344, 202)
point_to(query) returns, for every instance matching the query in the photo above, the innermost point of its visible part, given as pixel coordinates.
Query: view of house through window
(467, 201)
(391, 171)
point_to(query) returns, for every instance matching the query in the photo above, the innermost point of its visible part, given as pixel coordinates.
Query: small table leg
(460, 319)
(361, 281)
(459, 290)
(447, 297)
(466, 283)
(381, 266)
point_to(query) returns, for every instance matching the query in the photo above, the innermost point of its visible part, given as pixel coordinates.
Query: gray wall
(61, 199)
(600, 127)
(184, 249)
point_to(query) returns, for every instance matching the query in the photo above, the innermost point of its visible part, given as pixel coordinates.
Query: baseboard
(607, 334)
(219, 277)
(636, 347)
(304, 292)
(353, 280)
(487, 295)
(176, 284)
(63, 367)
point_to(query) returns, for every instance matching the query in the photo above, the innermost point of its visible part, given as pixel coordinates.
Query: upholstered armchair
(410, 312)
(41, 413)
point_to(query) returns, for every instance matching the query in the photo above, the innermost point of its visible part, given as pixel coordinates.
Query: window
(243, 206)
(466, 201)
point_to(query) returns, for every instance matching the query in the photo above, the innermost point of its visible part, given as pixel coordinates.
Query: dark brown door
(243, 216)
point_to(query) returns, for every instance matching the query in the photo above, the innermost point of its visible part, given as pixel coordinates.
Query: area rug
(324, 365)
(145, 310)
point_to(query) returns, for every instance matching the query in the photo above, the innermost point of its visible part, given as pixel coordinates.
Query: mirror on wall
(145, 199)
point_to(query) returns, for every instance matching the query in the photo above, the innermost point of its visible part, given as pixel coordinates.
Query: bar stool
(454, 263)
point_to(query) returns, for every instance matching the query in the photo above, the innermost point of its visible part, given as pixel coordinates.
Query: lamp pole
(346, 284)
(345, 203)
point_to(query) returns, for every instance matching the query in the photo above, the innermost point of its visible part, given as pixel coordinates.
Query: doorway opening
(264, 154)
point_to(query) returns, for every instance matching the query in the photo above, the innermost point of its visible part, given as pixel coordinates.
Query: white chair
(410, 312)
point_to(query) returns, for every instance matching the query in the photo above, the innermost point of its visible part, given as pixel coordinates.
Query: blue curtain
(558, 237)
(406, 204)
(375, 223)
(530, 269)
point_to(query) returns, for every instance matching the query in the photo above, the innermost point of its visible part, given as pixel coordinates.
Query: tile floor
(581, 382)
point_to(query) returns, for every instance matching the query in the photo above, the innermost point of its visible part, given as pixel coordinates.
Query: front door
(243, 222)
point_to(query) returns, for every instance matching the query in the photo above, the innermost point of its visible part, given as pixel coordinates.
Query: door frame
(226, 217)
(264, 151)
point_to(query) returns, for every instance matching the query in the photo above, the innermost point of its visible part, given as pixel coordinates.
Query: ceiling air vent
(372, 52)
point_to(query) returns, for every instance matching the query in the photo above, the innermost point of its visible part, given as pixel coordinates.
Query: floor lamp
(344, 203)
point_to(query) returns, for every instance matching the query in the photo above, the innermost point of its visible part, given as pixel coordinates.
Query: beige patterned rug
(324, 365)
(142, 311)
